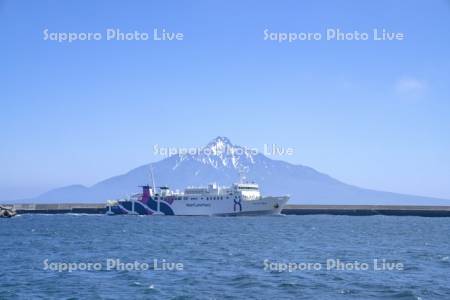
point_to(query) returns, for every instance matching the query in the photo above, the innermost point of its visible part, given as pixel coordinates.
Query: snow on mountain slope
(220, 153)
(222, 162)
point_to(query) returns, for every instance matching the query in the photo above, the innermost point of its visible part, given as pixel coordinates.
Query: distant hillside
(222, 162)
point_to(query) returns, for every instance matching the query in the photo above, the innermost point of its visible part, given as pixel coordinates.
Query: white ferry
(239, 199)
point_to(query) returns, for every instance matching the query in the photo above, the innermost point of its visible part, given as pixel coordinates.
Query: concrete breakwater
(350, 210)
(368, 210)
(61, 208)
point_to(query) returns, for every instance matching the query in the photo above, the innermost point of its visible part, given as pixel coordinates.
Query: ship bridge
(249, 191)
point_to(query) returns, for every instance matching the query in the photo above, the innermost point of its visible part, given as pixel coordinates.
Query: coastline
(293, 209)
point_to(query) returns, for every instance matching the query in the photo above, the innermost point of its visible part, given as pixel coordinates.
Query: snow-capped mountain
(220, 153)
(222, 162)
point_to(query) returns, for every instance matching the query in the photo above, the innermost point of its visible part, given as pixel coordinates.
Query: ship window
(248, 188)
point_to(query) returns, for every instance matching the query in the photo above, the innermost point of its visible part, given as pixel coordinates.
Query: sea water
(286, 257)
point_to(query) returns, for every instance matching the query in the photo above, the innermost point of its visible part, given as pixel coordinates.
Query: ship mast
(242, 177)
(154, 186)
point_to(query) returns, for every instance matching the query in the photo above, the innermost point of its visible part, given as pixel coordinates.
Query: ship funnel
(145, 192)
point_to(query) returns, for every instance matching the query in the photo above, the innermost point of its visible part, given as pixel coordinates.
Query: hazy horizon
(374, 114)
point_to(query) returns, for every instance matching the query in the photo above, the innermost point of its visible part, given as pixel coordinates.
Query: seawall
(350, 210)
(62, 208)
(368, 210)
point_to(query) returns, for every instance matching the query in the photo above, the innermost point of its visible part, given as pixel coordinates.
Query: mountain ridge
(222, 162)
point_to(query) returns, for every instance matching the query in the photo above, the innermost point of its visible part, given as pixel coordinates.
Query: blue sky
(371, 113)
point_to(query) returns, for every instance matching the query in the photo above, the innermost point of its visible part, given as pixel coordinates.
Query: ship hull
(200, 207)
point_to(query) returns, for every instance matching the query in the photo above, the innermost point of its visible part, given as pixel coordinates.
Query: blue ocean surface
(223, 257)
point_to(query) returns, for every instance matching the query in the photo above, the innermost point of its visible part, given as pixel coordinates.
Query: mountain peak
(219, 144)
(222, 162)
(221, 153)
